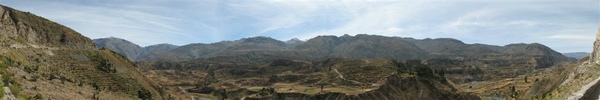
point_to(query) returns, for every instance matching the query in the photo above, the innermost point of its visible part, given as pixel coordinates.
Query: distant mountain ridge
(131, 50)
(577, 55)
(124, 47)
(359, 47)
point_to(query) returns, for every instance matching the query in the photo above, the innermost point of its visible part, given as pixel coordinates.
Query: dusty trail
(342, 76)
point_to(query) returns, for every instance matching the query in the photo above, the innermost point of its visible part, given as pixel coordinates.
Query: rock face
(42, 58)
(27, 29)
(595, 56)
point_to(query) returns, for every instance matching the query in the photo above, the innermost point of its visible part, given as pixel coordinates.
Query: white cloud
(181, 22)
(281, 22)
(572, 36)
(377, 19)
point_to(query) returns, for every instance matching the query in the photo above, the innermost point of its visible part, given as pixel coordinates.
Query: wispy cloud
(571, 36)
(551, 22)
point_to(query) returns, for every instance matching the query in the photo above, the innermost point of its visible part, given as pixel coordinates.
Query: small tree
(273, 78)
(38, 97)
(144, 94)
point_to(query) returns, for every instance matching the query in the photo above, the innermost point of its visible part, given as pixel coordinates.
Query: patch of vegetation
(415, 67)
(7, 77)
(349, 89)
(144, 94)
(311, 91)
(103, 63)
(31, 69)
(38, 97)
(15, 87)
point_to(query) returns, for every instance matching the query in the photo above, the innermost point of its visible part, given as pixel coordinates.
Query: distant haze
(566, 26)
(577, 55)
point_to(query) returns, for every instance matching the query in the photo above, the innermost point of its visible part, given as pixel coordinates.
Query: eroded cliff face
(595, 56)
(23, 29)
(46, 60)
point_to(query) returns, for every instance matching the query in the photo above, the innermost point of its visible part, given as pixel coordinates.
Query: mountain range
(351, 47)
(41, 59)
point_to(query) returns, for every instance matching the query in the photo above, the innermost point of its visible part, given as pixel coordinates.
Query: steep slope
(48, 60)
(122, 46)
(544, 56)
(569, 81)
(23, 29)
(591, 90)
(595, 56)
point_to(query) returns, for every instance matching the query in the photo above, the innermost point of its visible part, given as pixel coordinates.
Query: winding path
(342, 76)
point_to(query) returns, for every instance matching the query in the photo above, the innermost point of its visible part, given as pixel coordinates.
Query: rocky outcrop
(595, 56)
(23, 29)
(577, 55)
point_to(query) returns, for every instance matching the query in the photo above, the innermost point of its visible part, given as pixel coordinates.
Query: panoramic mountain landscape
(52, 59)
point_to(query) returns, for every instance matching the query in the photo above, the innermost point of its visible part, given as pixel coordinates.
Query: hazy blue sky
(566, 26)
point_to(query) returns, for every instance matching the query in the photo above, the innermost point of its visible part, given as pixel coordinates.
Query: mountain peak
(259, 39)
(294, 40)
(121, 46)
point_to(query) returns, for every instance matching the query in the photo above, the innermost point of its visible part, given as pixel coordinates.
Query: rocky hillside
(41, 59)
(23, 29)
(570, 81)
